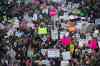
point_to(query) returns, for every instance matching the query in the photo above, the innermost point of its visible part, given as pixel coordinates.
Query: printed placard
(53, 53)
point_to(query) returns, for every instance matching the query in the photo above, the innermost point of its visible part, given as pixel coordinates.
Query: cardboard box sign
(42, 30)
(53, 53)
(72, 29)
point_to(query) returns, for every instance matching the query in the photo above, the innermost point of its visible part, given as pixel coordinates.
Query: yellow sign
(42, 30)
(72, 48)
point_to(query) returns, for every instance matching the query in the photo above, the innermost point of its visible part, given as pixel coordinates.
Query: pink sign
(66, 41)
(93, 44)
(53, 12)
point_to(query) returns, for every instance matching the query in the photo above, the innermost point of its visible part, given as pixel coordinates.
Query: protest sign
(64, 63)
(54, 34)
(42, 30)
(93, 44)
(99, 44)
(53, 53)
(97, 21)
(66, 41)
(53, 12)
(72, 47)
(66, 55)
(19, 34)
(43, 51)
(62, 33)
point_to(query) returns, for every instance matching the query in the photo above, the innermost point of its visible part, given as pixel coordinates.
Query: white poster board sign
(97, 21)
(46, 62)
(43, 51)
(99, 44)
(66, 55)
(62, 34)
(64, 63)
(53, 53)
(54, 34)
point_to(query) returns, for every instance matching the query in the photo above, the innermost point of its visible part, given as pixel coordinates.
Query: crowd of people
(49, 33)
